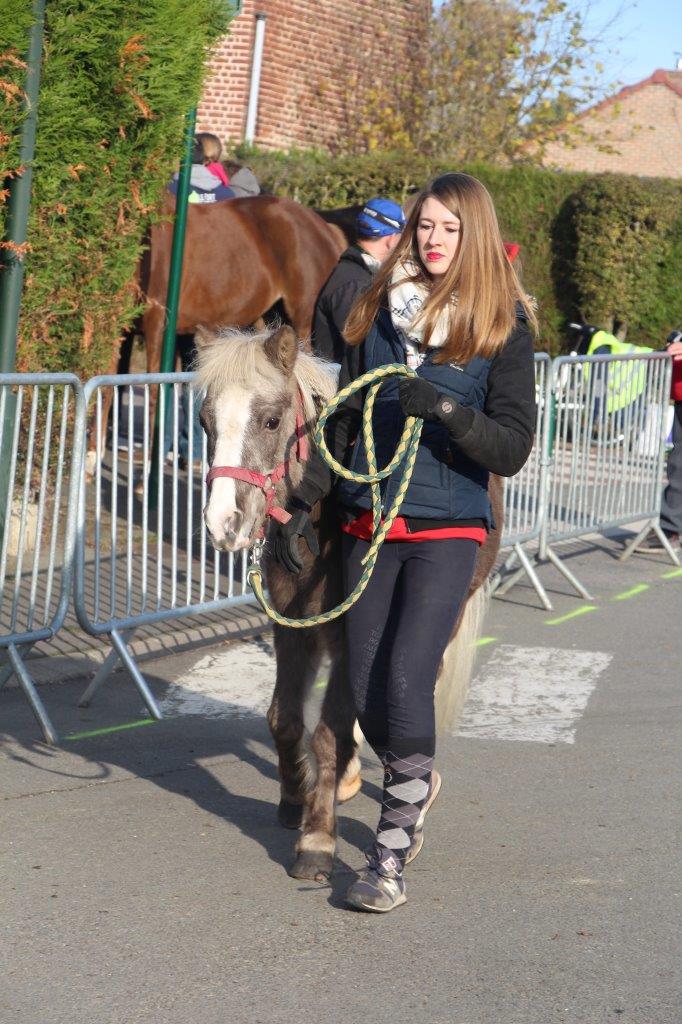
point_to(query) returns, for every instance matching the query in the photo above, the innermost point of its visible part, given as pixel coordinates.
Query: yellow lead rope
(406, 450)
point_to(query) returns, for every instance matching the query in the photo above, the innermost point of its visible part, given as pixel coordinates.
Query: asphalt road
(144, 876)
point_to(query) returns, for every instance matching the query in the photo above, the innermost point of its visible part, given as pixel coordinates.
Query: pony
(263, 394)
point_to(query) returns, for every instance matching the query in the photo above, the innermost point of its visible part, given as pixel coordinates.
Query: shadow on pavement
(178, 755)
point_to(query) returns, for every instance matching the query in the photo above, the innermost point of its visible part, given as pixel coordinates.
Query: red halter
(266, 481)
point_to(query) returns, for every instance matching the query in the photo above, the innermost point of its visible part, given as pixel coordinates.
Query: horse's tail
(458, 661)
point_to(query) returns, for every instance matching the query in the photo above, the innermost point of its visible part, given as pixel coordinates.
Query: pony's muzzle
(225, 531)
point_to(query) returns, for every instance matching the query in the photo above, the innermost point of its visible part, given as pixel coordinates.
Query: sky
(644, 37)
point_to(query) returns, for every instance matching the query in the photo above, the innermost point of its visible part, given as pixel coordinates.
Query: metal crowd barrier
(608, 457)
(605, 434)
(142, 554)
(42, 429)
(525, 493)
(141, 550)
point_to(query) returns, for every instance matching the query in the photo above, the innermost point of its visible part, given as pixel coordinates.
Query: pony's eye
(272, 423)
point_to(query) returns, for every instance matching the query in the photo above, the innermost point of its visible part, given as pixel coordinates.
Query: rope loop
(405, 454)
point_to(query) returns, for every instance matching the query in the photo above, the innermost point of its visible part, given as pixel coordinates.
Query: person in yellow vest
(671, 502)
(626, 381)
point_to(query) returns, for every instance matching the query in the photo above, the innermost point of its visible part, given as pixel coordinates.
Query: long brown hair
(480, 279)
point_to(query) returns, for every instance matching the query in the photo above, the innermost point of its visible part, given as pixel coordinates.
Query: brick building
(321, 60)
(643, 124)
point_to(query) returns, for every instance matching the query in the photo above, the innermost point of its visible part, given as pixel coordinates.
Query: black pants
(397, 632)
(671, 507)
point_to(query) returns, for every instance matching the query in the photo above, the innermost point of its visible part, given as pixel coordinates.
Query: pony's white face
(252, 388)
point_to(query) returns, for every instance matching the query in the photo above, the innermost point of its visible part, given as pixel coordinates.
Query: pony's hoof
(313, 865)
(290, 815)
(348, 788)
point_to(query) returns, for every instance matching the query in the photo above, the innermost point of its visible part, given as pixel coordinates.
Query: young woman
(448, 303)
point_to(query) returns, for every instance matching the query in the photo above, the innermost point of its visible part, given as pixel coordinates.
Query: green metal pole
(12, 269)
(177, 252)
(12, 273)
(172, 301)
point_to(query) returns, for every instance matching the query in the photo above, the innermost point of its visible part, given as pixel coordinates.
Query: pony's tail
(458, 661)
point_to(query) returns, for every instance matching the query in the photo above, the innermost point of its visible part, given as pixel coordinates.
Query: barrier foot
(573, 580)
(103, 672)
(526, 568)
(499, 579)
(6, 672)
(508, 582)
(28, 686)
(135, 674)
(656, 527)
(534, 578)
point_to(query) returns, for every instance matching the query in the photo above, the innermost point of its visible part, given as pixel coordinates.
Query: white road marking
(535, 694)
(235, 682)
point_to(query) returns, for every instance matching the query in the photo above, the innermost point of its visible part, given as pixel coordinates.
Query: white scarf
(407, 299)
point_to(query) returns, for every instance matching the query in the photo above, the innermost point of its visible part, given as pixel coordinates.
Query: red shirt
(362, 528)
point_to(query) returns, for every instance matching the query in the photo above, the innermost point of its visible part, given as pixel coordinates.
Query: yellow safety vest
(626, 380)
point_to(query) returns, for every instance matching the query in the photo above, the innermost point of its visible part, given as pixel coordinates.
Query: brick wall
(643, 124)
(319, 57)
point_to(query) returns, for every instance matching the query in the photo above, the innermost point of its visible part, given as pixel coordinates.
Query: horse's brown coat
(242, 256)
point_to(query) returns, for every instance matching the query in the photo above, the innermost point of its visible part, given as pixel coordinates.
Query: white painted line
(534, 694)
(236, 682)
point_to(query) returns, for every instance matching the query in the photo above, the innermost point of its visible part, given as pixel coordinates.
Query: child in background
(208, 182)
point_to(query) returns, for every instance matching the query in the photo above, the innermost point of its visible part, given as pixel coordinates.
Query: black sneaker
(653, 544)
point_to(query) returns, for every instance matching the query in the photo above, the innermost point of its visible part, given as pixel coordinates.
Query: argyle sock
(406, 787)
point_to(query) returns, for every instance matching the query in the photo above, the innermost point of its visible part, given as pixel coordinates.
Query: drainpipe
(254, 89)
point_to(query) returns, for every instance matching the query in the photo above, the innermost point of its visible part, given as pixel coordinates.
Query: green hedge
(117, 78)
(548, 212)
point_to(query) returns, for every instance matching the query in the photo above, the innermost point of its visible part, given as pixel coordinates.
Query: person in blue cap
(378, 229)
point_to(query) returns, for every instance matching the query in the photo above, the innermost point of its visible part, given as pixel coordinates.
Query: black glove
(285, 544)
(418, 397)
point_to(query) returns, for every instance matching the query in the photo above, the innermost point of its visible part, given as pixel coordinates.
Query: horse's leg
(98, 425)
(299, 312)
(297, 662)
(333, 747)
(351, 780)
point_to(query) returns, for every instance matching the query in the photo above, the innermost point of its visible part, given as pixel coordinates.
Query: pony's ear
(281, 349)
(203, 337)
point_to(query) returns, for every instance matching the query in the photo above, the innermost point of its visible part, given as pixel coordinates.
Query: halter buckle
(257, 553)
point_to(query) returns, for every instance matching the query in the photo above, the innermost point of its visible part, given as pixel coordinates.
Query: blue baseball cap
(380, 217)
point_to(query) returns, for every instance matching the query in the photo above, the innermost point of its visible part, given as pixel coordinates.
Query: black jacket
(498, 437)
(349, 278)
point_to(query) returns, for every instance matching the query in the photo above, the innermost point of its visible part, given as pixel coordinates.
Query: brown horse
(242, 258)
(258, 388)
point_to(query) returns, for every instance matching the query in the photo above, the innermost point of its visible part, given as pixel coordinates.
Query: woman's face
(438, 236)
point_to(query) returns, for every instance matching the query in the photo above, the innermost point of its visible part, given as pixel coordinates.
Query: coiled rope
(406, 452)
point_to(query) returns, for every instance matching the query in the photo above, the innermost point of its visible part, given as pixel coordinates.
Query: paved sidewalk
(144, 875)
